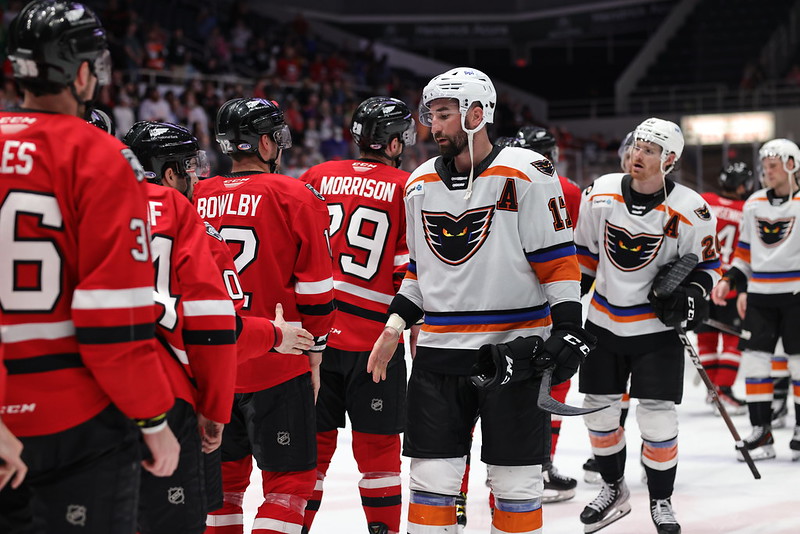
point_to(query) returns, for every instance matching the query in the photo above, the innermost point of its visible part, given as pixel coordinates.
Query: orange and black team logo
(630, 252)
(544, 166)
(455, 238)
(703, 212)
(772, 232)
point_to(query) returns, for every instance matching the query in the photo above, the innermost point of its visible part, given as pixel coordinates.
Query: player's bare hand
(720, 291)
(295, 340)
(741, 304)
(12, 468)
(210, 433)
(165, 451)
(315, 361)
(382, 352)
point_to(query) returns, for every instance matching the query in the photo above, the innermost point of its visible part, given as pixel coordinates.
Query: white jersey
(769, 244)
(487, 269)
(624, 247)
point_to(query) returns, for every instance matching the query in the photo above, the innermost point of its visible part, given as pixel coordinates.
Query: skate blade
(618, 513)
(765, 452)
(557, 496)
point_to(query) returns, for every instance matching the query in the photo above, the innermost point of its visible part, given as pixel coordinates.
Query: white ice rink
(714, 493)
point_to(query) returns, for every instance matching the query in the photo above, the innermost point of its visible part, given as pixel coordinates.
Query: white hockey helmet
(467, 86)
(783, 149)
(663, 133)
(624, 148)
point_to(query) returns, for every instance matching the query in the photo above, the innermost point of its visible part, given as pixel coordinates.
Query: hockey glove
(506, 362)
(566, 348)
(684, 304)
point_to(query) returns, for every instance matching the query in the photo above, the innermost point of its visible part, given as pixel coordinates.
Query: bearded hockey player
(368, 238)
(76, 295)
(766, 261)
(277, 229)
(631, 226)
(736, 183)
(488, 323)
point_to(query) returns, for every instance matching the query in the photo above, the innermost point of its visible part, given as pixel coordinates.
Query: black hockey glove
(506, 362)
(566, 348)
(684, 304)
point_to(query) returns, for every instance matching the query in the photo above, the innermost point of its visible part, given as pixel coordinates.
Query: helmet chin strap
(470, 133)
(271, 163)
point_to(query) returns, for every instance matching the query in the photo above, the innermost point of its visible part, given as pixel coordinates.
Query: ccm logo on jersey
(630, 252)
(455, 238)
(17, 408)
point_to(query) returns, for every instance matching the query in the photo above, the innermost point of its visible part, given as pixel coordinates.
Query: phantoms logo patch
(455, 238)
(773, 232)
(630, 252)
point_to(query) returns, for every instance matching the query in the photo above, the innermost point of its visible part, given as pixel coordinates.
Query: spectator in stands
(154, 107)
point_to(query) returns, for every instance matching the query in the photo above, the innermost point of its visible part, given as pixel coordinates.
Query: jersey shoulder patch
(133, 161)
(316, 193)
(210, 230)
(544, 166)
(703, 212)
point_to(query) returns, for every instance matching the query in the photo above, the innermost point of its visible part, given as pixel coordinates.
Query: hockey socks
(430, 513)
(378, 459)
(285, 498)
(518, 517)
(326, 446)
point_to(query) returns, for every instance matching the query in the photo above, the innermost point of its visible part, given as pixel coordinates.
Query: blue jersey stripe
(496, 317)
(627, 311)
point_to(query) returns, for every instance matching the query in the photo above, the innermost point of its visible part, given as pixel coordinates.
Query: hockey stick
(727, 329)
(547, 403)
(665, 287)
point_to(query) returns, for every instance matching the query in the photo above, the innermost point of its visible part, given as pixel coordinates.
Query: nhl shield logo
(773, 232)
(284, 438)
(630, 252)
(176, 495)
(455, 238)
(76, 515)
(376, 405)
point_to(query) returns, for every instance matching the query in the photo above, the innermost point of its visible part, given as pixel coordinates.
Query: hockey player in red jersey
(632, 226)
(196, 326)
(736, 183)
(493, 271)
(368, 239)
(277, 229)
(765, 261)
(12, 468)
(76, 290)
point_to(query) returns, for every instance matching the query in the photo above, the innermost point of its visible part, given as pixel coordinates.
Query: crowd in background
(209, 53)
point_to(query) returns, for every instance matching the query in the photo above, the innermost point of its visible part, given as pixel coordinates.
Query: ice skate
(591, 472)
(461, 511)
(733, 405)
(664, 517)
(609, 506)
(759, 443)
(557, 487)
(794, 445)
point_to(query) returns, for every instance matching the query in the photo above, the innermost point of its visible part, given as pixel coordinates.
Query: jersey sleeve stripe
(316, 309)
(627, 314)
(557, 270)
(400, 259)
(488, 317)
(551, 253)
(358, 311)
(313, 288)
(209, 337)
(412, 267)
(103, 299)
(195, 308)
(17, 333)
(44, 363)
(100, 335)
(362, 292)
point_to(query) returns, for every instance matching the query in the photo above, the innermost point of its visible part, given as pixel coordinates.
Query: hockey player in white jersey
(493, 270)
(631, 226)
(765, 262)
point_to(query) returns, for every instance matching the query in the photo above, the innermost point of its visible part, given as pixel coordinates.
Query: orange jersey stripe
(502, 171)
(517, 521)
(474, 328)
(759, 389)
(588, 262)
(425, 514)
(557, 270)
(431, 177)
(623, 319)
(660, 207)
(742, 253)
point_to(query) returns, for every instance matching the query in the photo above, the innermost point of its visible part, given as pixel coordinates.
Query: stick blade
(547, 403)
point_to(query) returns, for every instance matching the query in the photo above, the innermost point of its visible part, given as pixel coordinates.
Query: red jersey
(254, 335)
(368, 240)
(196, 324)
(729, 215)
(76, 280)
(572, 196)
(277, 230)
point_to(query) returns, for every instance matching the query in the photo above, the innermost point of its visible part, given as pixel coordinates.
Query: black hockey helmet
(99, 118)
(158, 144)
(48, 41)
(379, 119)
(503, 142)
(736, 174)
(539, 140)
(242, 121)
